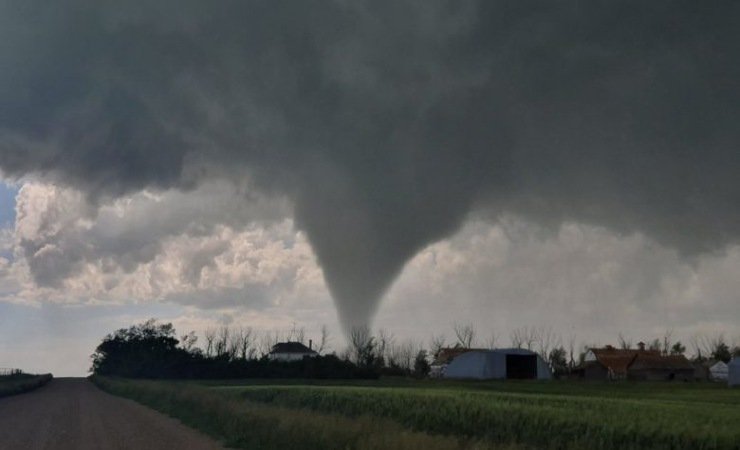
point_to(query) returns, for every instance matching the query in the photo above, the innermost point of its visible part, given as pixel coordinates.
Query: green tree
(678, 349)
(149, 349)
(721, 351)
(421, 365)
(558, 359)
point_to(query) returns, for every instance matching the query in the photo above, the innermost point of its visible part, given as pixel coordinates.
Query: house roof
(290, 347)
(651, 361)
(714, 362)
(621, 360)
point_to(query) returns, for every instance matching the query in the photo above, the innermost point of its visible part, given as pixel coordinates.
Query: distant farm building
(500, 364)
(291, 351)
(444, 357)
(610, 363)
(718, 370)
(733, 378)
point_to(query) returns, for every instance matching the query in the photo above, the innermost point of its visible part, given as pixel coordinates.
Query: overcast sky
(401, 164)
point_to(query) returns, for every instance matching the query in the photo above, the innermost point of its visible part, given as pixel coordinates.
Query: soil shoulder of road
(72, 413)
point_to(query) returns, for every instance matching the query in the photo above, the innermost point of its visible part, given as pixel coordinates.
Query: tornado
(386, 124)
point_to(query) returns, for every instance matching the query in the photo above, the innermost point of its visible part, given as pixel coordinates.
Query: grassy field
(20, 383)
(437, 414)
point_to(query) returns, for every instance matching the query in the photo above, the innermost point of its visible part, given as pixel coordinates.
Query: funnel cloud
(387, 124)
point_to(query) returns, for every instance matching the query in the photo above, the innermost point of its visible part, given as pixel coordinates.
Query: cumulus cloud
(580, 280)
(384, 124)
(168, 245)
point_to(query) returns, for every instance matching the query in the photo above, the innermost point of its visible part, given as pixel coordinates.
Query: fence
(5, 372)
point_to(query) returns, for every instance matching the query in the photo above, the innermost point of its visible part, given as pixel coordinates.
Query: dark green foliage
(150, 350)
(721, 352)
(558, 361)
(678, 349)
(421, 365)
(147, 350)
(22, 382)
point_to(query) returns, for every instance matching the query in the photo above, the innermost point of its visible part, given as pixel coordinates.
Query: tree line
(153, 350)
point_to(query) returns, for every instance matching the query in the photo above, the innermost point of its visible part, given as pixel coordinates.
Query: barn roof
(618, 360)
(446, 355)
(651, 361)
(622, 360)
(290, 347)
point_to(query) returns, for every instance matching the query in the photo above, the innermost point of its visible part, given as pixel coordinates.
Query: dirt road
(72, 414)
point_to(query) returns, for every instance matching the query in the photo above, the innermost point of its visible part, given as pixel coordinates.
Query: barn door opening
(521, 367)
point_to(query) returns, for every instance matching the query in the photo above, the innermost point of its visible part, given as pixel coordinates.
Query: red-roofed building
(611, 363)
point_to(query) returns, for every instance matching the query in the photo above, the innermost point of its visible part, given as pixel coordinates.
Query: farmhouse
(718, 370)
(511, 363)
(291, 351)
(733, 378)
(610, 363)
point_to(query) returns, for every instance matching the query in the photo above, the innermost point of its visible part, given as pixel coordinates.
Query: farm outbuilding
(512, 363)
(733, 378)
(611, 363)
(718, 371)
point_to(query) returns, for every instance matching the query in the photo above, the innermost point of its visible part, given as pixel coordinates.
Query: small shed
(511, 363)
(733, 378)
(718, 371)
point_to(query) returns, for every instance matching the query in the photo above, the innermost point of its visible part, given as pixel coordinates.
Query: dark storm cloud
(388, 122)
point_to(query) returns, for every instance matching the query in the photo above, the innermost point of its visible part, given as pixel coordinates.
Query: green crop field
(472, 414)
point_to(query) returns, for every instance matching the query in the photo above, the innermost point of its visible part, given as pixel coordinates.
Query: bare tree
(222, 344)
(697, 347)
(245, 343)
(234, 346)
(188, 341)
(384, 344)
(268, 341)
(571, 351)
(297, 334)
(654, 345)
(491, 341)
(325, 337)
(465, 334)
(667, 342)
(210, 336)
(362, 344)
(624, 343)
(524, 337)
(437, 343)
(406, 352)
(546, 339)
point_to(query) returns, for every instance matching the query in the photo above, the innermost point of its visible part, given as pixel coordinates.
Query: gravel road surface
(71, 413)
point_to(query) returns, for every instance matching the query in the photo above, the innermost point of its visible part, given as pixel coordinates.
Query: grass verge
(241, 423)
(18, 384)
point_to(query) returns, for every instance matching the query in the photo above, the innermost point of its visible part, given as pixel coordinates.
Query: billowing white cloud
(202, 253)
(581, 280)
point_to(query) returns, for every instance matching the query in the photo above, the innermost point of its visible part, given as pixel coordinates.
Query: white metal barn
(718, 371)
(507, 363)
(733, 378)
